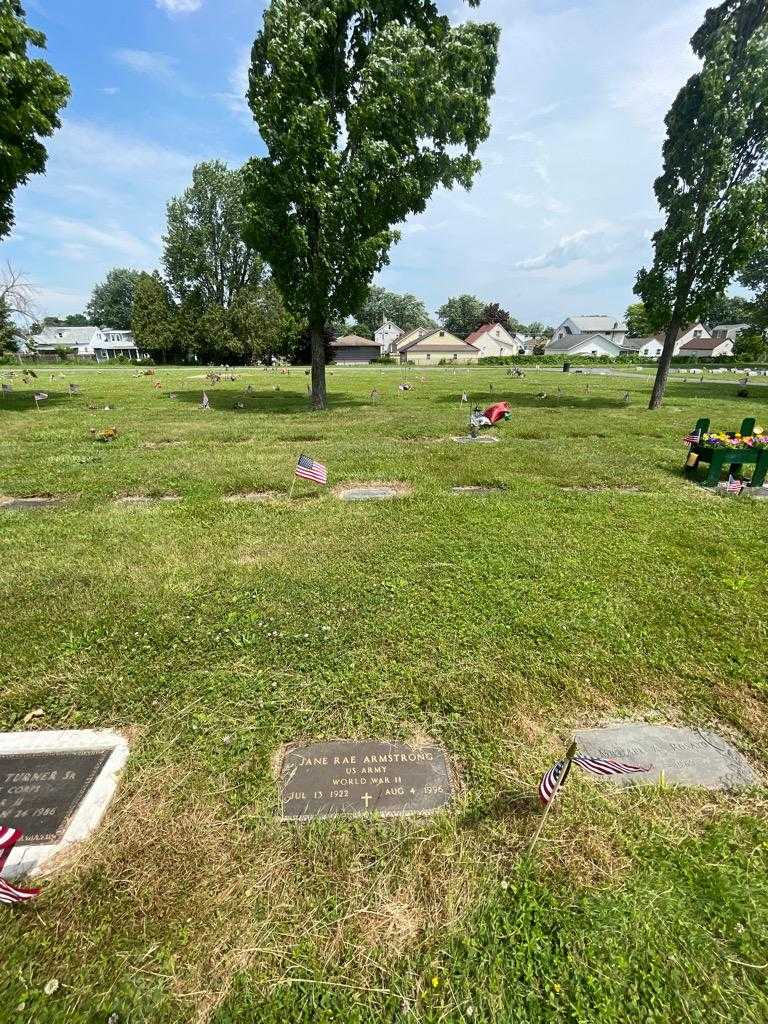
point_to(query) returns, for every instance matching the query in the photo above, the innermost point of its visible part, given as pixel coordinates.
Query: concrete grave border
(35, 859)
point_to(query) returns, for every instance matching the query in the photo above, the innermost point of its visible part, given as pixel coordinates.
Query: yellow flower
(435, 982)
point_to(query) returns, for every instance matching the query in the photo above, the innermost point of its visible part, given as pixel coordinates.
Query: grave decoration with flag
(11, 893)
(7, 389)
(205, 404)
(734, 486)
(308, 469)
(693, 438)
(554, 779)
(40, 396)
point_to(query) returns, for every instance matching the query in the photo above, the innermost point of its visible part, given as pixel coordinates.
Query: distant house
(649, 348)
(387, 334)
(692, 332)
(99, 343)
(353, 350)
(430, 345)
(707, 348)
(610, 327)
(495, 340)
(729, 331)
(589, 343)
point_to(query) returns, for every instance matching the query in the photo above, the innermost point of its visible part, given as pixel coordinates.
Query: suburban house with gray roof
(352, 350)
(430, 345)
(99, 343)
(610, 327)
(588, 343)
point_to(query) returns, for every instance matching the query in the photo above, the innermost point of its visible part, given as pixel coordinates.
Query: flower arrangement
(726, 439)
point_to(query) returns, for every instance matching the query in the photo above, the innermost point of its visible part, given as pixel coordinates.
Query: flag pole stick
(563, 775)
(293, 484)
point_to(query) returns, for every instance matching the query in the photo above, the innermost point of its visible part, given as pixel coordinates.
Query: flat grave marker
(358, 777)
(28, 504)
(480, 439)
(688, 757)
(55, 788)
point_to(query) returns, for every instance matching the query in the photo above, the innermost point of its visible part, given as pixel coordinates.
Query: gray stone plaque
(39, 792)
(352, 777)
(368, 493)
(688, 757)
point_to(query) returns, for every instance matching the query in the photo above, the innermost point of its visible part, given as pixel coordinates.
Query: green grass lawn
(598, 584)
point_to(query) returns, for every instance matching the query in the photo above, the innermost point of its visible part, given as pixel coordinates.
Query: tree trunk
(665, 359)
(318, 368)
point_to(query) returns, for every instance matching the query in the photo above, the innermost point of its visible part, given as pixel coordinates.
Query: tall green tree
(407, 311)
(205, 257)
(638, 325)
(461, 314)
(155, 321)
(714, 188)
(31, 96)
(111, 302)
(365, 107)
(494, 314)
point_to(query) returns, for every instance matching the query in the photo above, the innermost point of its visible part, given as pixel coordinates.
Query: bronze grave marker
(357, 777)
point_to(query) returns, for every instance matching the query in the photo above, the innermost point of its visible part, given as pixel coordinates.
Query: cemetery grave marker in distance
(353, 778)
(688, 757)
(55, 788)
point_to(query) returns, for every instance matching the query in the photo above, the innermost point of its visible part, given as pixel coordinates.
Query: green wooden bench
(734, 458)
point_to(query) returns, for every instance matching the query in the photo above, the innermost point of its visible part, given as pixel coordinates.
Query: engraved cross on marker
(366, 797)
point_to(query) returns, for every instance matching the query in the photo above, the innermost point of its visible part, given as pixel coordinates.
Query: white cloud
(179, 6)
(657, 66)
(147, 62)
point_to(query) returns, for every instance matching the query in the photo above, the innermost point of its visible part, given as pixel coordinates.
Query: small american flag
(691, 439)
(309, 470)
(74, 389)
(734, 486)
(594, 765)
(606, 766)
(551, 780)
(11, 893)
(7, 389)
(464, 396)
(40, 396)
(205, 404)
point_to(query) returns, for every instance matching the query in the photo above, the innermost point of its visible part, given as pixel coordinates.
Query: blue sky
(557, 223)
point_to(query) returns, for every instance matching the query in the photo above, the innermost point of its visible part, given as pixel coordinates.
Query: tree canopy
(365, 108)
(462, 314)
(407, 311)
(31, 96)
(713, 189)
(111, 303)
(638, 325)
(205, 257)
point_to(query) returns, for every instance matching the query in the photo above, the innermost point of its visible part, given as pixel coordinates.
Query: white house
(729, 331)
(431, 345)
(387, 334)
(707, 348)
(495, 340)
(610, 327)
(648, 348)
(592, 343)
(99, 343)
(692, 332)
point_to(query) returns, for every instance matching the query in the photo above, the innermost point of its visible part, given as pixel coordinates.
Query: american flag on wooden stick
(307, 469)
(40, 396)
(11, 893)
(205, 404)
(551, 780)
(693, 438)
(734, 486)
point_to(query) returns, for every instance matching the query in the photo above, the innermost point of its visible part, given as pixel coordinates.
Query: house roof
(572, 341)
(508, 338)
(416, 334)
(354, 341)
(598, 324)
(635, 344)
(432, 339)
(703, 344)
(390, 323)
(66, 335)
